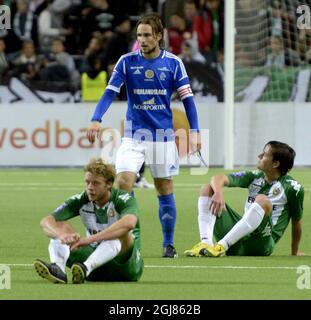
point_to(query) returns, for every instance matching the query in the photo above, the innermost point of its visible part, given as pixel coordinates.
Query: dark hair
(283, 153)
(155, 22)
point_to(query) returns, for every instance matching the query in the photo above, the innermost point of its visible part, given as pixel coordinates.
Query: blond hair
(100, 168)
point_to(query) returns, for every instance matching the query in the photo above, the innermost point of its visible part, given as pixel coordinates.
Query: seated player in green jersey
(111, 249)
(274, 199)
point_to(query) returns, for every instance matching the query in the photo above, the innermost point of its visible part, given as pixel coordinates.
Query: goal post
(267, 59)
(229, 85)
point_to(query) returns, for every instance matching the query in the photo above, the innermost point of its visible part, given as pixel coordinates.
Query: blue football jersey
(150, 84)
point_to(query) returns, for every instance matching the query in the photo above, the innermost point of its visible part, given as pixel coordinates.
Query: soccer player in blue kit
(151, 75)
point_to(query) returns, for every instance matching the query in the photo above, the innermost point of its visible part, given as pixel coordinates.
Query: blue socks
(167, 215)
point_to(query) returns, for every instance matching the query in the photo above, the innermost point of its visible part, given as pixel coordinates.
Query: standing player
(111, 250)
(151, 75)
(274, 199)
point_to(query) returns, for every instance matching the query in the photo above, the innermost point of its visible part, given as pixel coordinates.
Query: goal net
(272, 53)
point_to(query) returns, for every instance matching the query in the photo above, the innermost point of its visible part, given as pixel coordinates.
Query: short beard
(151, 50)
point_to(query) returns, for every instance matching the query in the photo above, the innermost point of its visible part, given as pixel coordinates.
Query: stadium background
(43, 120)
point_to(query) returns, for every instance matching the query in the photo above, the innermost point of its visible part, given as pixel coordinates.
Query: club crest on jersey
(111, 213)
(149, 74)
(276, 191)
(162, 76)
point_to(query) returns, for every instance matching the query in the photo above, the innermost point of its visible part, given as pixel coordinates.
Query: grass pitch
(27, 195)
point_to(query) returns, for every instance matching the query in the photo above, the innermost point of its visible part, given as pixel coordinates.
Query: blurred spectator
(93, 56)
(72, 23)
(175, 31)
(93, 87)
(170, 7)
(98, 15)
(190, 12)
(133, 7)
(59, 65)
(190, 52)
(119, 43)
(276, 19)
(51, 23)
(94, 79)
(251, 32)
(25, 23)
(37, 6)
(283, 21)
(148, 6)
(4, 63)
(28, 64)
(209, 26)
(280, 56)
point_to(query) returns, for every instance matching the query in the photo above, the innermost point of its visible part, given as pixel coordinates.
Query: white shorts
(162, 157)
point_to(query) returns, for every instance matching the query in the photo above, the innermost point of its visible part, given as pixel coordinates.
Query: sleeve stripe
(183, 70)
(183, 87)
(175, 73)
(113, 88)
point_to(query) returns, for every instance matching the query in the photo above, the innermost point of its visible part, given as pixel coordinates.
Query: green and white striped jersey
(285, 194)
(95, 218)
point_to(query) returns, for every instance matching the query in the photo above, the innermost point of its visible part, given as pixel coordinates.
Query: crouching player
(111, 249)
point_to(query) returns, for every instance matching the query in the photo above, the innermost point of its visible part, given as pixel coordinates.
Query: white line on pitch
(220, 267)
(79, 184)
(184, 267)
(41, 184)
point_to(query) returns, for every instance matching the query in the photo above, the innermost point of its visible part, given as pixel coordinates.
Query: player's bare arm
(195, 141)
(218, 199)
(116, 231)
(59, 230)
(296, 236)
(93, 131)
